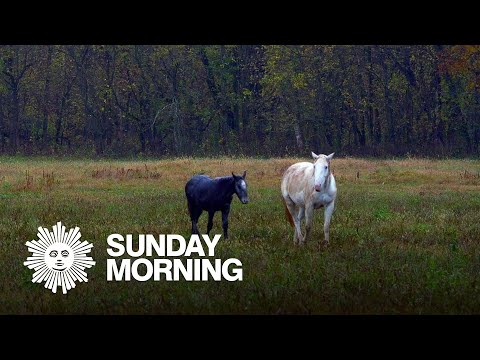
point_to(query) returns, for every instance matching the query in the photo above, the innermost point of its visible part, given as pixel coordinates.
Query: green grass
(405, 237)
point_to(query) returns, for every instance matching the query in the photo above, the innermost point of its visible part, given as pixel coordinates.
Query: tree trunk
(2, 130)
(14, 135)
(46, 96)
(390, 122)
(370, 112)
(58, 125)
(297, 128)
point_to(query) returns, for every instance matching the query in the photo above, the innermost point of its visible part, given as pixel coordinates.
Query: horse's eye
(326, 167)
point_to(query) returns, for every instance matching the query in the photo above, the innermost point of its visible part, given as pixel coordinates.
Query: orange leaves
(462, 60)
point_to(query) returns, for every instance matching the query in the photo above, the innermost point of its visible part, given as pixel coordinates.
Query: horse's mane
(223, 179)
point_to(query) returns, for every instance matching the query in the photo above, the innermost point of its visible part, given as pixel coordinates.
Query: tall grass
(405, 237)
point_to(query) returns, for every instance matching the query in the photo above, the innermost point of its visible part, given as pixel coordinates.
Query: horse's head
(321, 169)
(241, 187)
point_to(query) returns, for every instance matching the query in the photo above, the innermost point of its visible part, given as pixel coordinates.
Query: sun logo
(59, 258)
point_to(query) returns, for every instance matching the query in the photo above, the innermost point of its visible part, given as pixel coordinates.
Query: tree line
(200, 100)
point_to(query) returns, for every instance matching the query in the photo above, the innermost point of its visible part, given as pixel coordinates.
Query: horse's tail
(287, 213)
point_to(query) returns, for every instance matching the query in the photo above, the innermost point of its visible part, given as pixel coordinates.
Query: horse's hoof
(324, 244)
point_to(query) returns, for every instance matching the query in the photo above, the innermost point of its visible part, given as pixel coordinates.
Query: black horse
(212, 195)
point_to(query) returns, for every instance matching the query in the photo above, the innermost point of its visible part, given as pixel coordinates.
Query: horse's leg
(225, 212)
(292, 209)
(211, 213)
(308, 220)
(191, 212)
(294, 216)
(195, 213)
(298, 238)
(300, 215)
(326, 227)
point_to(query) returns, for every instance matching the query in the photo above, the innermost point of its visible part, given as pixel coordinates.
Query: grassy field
(405, 237)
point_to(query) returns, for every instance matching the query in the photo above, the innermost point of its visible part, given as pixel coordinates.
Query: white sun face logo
(59, 258)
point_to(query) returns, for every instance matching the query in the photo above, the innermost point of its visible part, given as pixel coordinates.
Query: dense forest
(108, 100)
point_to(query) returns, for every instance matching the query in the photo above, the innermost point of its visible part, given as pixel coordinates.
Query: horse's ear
(244, 174)
(329, 157)
(315, 156)
(233, 175)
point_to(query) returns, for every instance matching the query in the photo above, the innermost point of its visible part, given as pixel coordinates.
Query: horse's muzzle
(318, 188)
(244, 201)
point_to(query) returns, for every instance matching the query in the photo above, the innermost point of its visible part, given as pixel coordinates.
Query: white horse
(307, 186)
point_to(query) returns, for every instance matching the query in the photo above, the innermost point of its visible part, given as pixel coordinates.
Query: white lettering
(111, 242)
(211, 243)
(237, 273)
(122, 274)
